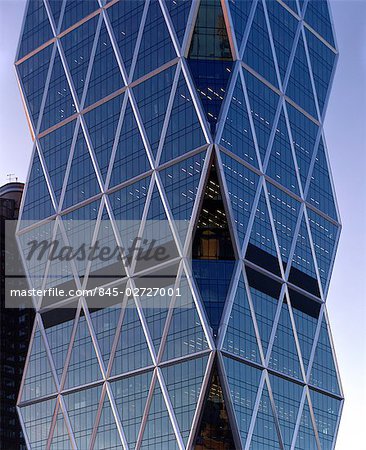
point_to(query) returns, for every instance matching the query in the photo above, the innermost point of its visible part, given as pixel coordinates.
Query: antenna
(11, 177)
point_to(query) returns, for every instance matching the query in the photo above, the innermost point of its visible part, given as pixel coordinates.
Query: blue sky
(346, 139)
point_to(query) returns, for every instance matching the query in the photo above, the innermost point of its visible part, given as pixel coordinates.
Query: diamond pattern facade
(204, 112)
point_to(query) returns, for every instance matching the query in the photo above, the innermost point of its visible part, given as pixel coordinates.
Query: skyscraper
(206, 115)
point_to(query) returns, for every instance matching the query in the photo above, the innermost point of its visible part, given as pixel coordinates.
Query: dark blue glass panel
(37, 420)
(56, 148)
(59, 103)
(243, 384)
(37, 203)
(324, 373)
(285, 211)
(283, 26)
(324, 235)
(281, 166)
(258, 52)
(106, 76)
(326, 411)
(152, 98)
(131, 158)
(287, 398)
(322, 60)
(37, 28)
(237, 134)
(240, 336)
(184, 131)
(130, 395)
(264, 434)
(82, 182)
(242, 185)
(317, 16)
(33, 75)
(240, 10)
(132, 351)
(263, 106)
(107, 434)
(293, 4)
(299, 87)
(56, 6)
(156, 46)
(183, 382)
(102, 126)
(306, 435)
(76, 10)
(304, 133)
(284, 357)
(320, 193)
(179, 12)
(77, 47)
(125, 18)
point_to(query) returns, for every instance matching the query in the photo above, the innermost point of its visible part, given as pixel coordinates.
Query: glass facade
(209, 115)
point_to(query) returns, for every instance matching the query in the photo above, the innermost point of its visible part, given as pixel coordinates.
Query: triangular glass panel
(77, 47)
(38, 381)
(37, 202)
(181, 183)
(284, 357)
(320, 193)
(240, 11)
(283, 26)
(303, 272)
(58, 324)
(306, 314)
(240, 338)
(264, 434)
(242, 186)
(83, 367)
(158, 432)
(179, 12)
(82, 182)
(33, 74)
(323, 372)
(105, 76)
(215, 428)
(210, 58)
(306, 435)
(182, 136)
(304, 132)
(156, 47)
(37, 28)
(184, 382)
(56, 147)
(264, 293)
(243, 381)
(132, 351)
(324, 235)
(299, 87)
(152, 98)
(322, 60)
(263, 103)
(281, 166)
(326, 411)
(83, 404)
(285, 211)
(55, 7)
(317, 16)
(212, 251)
(59, 104)
(130, 395)
(102, 126)
(77, 10)
(60, 438)
(261, 248)
(258, 52)
(37, 418)
(185, 335)
(287, 397)
(131, 158)
(125, 19)
(107, 433)
(237, 134)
